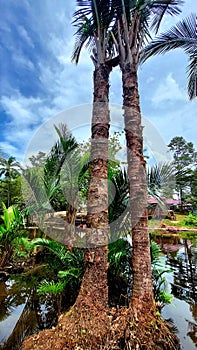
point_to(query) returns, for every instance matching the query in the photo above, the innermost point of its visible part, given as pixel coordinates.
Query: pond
(181, 258)
(22, 312)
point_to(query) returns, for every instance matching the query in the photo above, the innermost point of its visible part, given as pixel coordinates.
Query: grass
(180, 222)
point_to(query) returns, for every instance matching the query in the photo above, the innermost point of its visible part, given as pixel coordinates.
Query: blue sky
(38, 80)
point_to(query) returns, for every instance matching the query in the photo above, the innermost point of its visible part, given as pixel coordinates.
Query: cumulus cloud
(168, 90)
(47, 82)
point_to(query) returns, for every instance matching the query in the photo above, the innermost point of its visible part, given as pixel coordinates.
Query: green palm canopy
(93, 21)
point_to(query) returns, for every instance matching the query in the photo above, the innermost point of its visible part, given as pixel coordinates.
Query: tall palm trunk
(142, 294)
(94, 289)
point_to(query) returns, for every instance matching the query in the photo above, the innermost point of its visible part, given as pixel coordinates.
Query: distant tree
(185, 160)
(38, 159)
(9, 171)
(192, 198)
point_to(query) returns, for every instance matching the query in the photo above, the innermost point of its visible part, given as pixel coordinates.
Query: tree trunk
(142, 294)
(94, 288)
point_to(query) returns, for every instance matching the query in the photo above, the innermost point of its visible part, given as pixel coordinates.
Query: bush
(191, 220)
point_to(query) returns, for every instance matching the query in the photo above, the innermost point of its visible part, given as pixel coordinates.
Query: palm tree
(182, 35)
(131, 31)
(9, 170)
(92, 21)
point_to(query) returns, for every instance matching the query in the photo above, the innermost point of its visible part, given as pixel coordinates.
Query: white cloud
(168, 91)
(21, 109)
(177, 122)
(10, 149)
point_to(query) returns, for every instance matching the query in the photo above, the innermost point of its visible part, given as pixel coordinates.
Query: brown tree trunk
(94, 288)
(142, 294)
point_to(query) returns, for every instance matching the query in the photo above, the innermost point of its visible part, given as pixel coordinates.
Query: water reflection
(181, 258)
(22, 313)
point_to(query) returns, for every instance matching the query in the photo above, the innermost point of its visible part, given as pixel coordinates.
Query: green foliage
(67, 258)
(68, 267)
(164, 297)
(184, 153)
(9, 172)
(50, 287)
(68, 275)
(118, 203)
(12, 234)
(12, 220)
(191, 220)
(118, 254)
(161, 179)
(119, 271)
(38, 160)
(22, 247)
(185, 159)
(92, 21)
(159, 271)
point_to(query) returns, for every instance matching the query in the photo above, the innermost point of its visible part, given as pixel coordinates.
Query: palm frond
(192, 78)
(93, 20)
(57, 248)
(84, 35)
(182, 35)
(160, 175)
(161, 7)
(50, 287)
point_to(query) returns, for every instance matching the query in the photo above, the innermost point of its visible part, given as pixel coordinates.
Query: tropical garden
(91, 267)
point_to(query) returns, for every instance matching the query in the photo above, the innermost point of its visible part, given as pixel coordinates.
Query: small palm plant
(68, 267)
(13, 235)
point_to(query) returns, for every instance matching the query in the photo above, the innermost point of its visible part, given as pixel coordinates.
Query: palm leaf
(93, 20)
(161, 7)
(192, 78)
(182, 35)
(54, 288)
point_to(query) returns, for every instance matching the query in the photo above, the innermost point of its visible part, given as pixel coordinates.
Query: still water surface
(181, 258)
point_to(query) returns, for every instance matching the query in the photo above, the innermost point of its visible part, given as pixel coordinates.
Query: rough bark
(94, 288)
(142, 294)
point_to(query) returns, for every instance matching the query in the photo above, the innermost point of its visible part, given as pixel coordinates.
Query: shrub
(191, 220)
